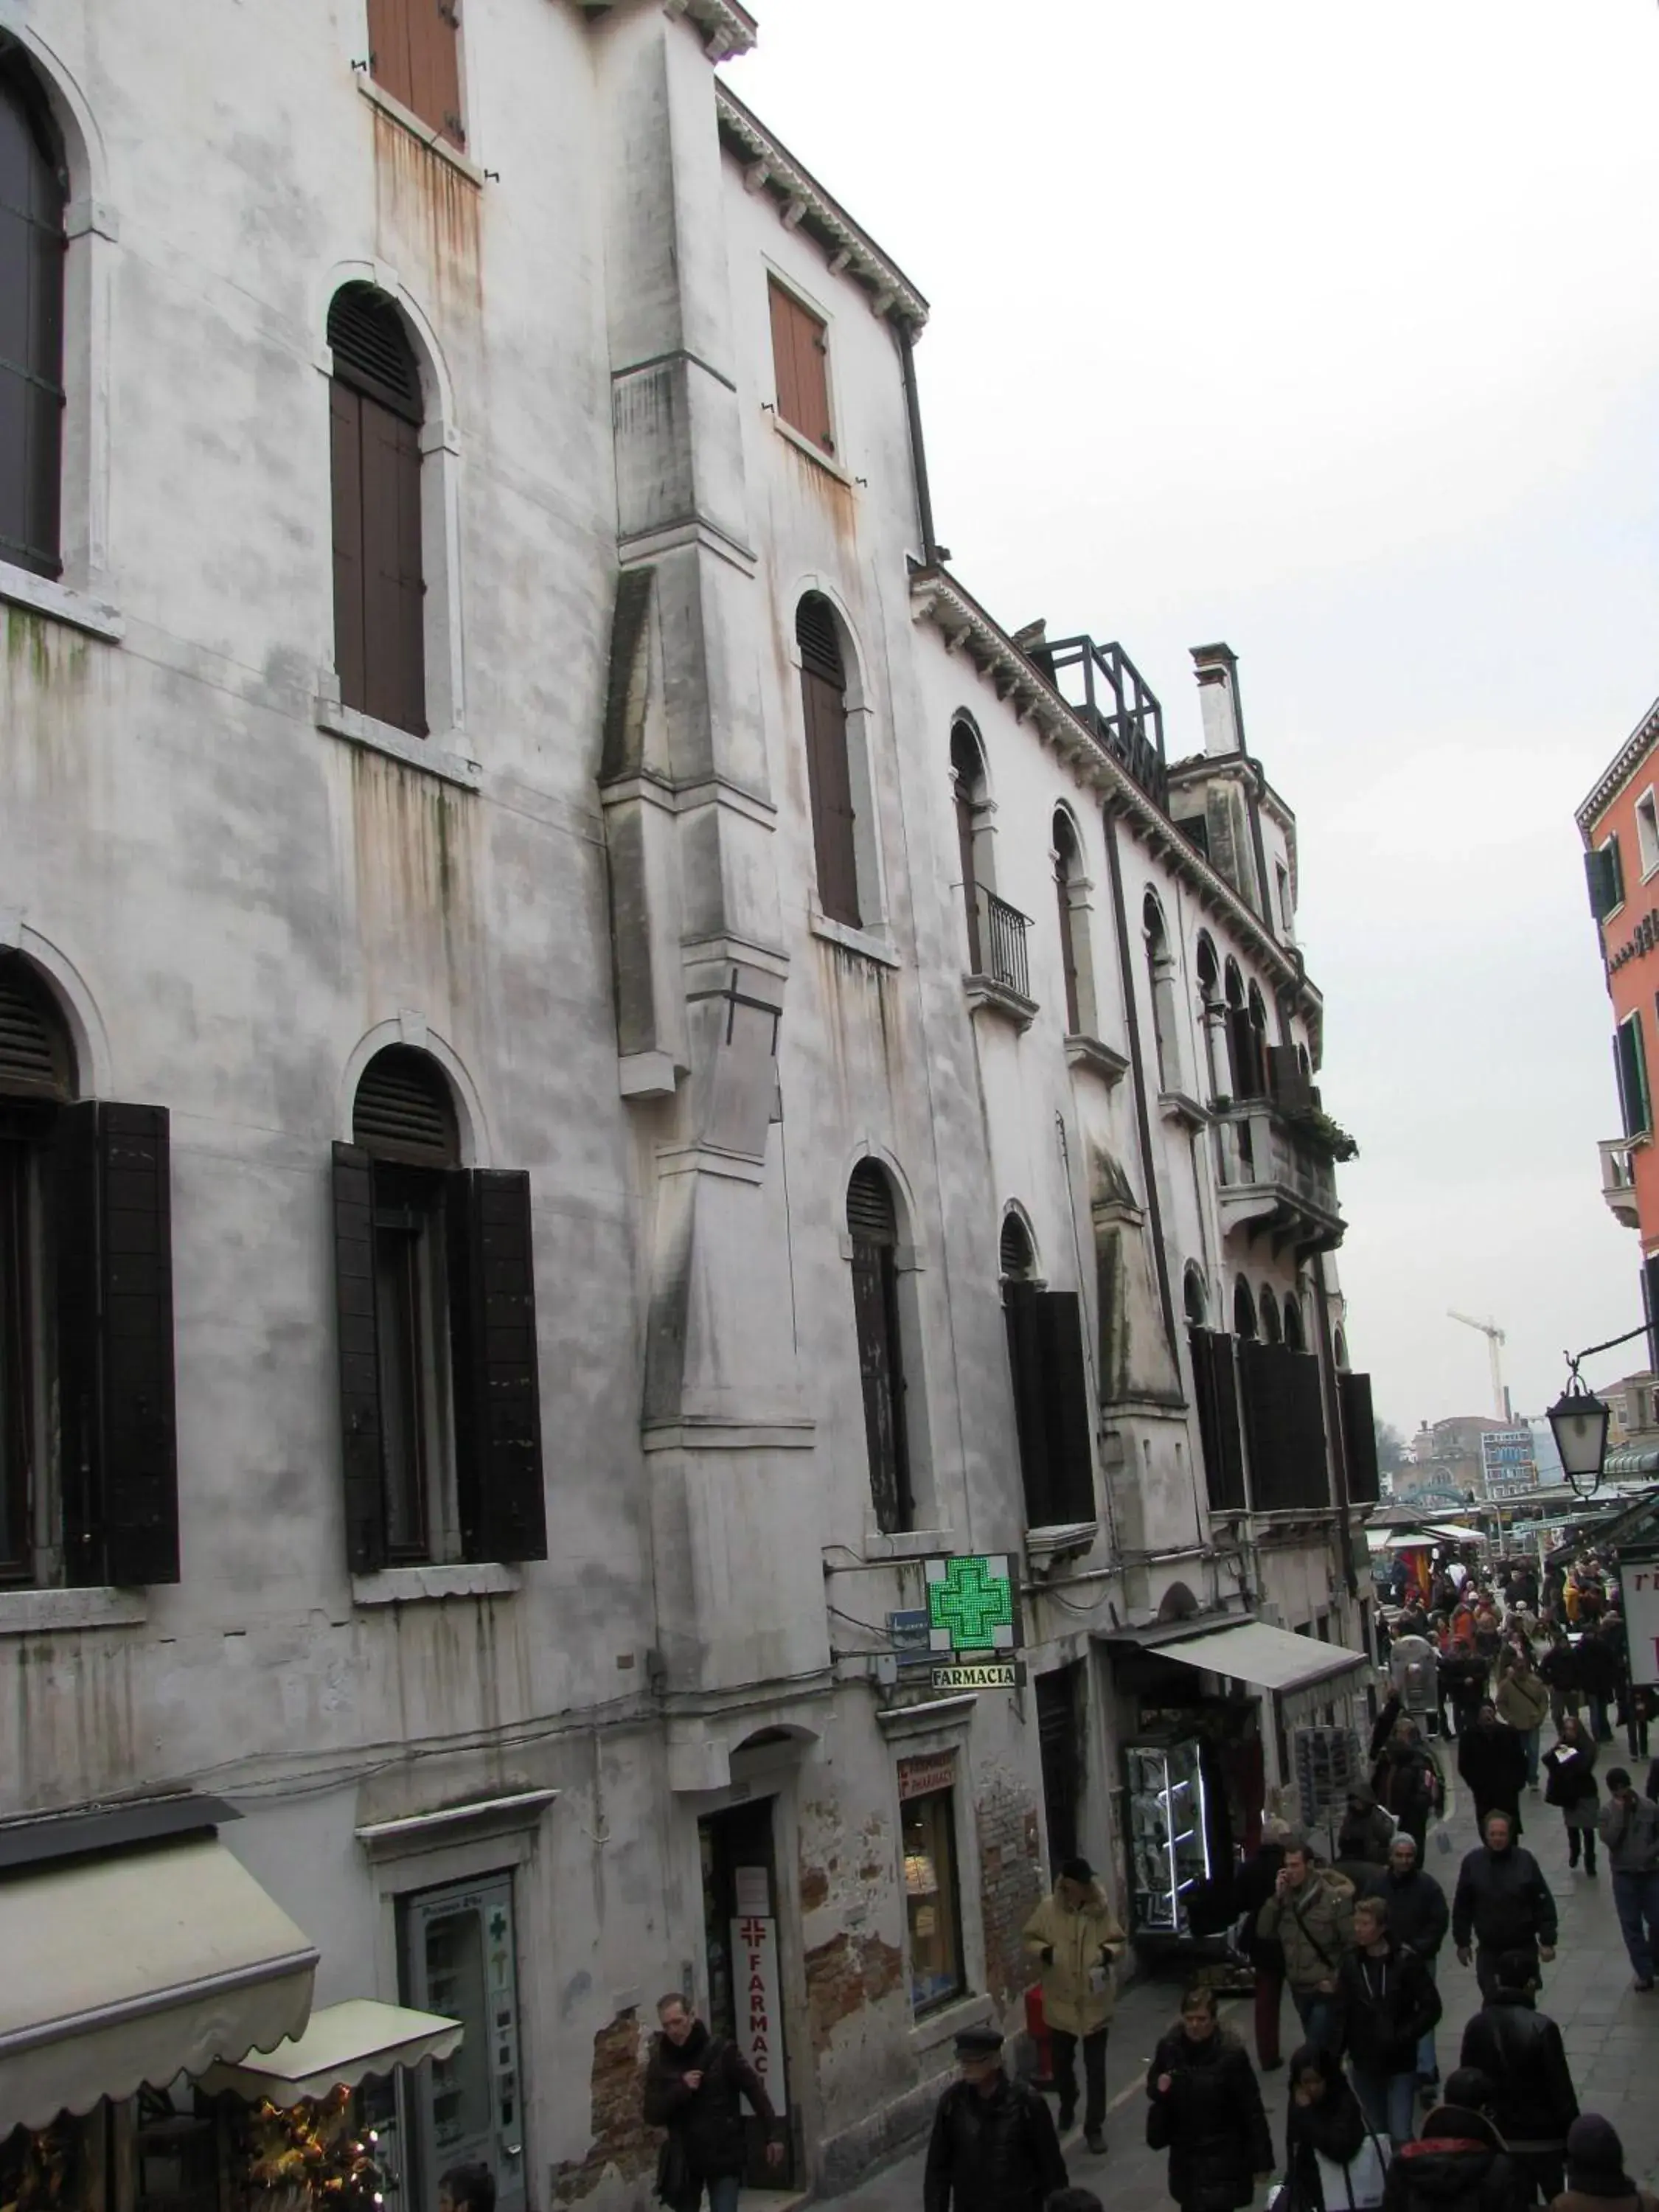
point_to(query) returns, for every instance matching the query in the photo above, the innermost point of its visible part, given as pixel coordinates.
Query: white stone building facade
(682, 1079)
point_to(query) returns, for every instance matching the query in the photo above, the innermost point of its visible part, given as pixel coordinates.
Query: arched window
(375, 413)
(1341, 1348)
(412, 54)
(969, 799)
(1195, 1297)
(434, 1275)
(1212, 1013)
(1161, 967)
(1246, 1065)
(1068, 872)
(872, 1225)
(88, 1487)
(1271, 1331)
(1016, 1259)
(32, 190)
(828, 770)
(1243, 1309)
(1294, 1334)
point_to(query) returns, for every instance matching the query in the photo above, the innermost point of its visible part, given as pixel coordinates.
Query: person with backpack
(1387, 2004)
(1205, 2109)
(1408, 1782)
(993, 2147)
(1629, 1829)
(1520, 2051)
(1310, 1914)
(694, 2083)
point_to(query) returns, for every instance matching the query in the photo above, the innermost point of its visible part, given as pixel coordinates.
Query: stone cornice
(727, 29)
(802, 203)
(964, 625)
(1619, 771)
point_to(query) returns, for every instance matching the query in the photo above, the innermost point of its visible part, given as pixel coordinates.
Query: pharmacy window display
(931, 1900)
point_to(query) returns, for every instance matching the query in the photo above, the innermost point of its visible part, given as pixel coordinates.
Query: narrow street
(1611, 2034)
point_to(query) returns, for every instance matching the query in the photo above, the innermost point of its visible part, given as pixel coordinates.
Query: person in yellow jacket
(1075, 1935)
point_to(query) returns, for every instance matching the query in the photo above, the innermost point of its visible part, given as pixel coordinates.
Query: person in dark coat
(1502, 1903)
(1419, 1915)
(1323, 2120)
(1600, 1672)
(1386, 2005)
(1205, 2111)
(694, 2086)
(993, 2147)
(1559, 1669)
(1363, 1840)
(1254, 1883)
(1406, 1781)
(1519, 2049)
(1571, 1785)
(1459, 2163)
(1596, 2180)
(1492, 1759)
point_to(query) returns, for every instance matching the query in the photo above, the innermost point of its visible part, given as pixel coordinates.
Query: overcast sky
(1330, 328)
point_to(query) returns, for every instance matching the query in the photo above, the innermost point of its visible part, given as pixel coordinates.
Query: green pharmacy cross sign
(972, 1622)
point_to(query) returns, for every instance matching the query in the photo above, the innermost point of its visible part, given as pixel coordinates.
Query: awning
(344, 2046)
(1272, 1658)
(135, 1969)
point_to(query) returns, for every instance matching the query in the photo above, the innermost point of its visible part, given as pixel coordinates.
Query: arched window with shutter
(872, 1227)
(88, 1491)
(1295, 1334)
(969, 798)
(1016, 1256)
(414, 54)
(33, 192)
(828, 770)
(375, 413)
(1068, 870)
(1271, 1330)
(1243, 1309)
(436, 1294)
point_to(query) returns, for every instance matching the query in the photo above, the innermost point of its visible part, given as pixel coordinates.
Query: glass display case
(1169, 1848)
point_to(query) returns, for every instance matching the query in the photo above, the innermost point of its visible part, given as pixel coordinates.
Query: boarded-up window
(31, 322)
(374, 416)
(414, 56)
(873, 1228)
(1051, 1404)
(828, 774)
(800, 351)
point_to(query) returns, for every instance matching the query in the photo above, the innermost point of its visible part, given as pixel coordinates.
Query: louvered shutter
(394, 592)
(497, 1395)
(30, 324)
(830, 789)
(119, 1456)
(1358, 1437)
(34, 1056)
(783, 353)
(1066, 1405)
(1025, 1372)
(1215, 1387)
(1598, 878)
(1286, 1082)
(873, 1228)
(1631, 1062)
(388, 49)
(434, 66)
(359, 1358)
(1310, 1454)
(345, 423)
(403, 1110)
(1268, 1426)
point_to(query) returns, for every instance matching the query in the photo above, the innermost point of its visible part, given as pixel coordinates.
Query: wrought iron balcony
(1619, 1180)
(1002, 979)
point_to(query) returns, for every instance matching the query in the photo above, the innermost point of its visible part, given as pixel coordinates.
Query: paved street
(1612, 2035)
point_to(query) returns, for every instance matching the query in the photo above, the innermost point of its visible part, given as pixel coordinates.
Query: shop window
(460, 1959)
(933, 1903)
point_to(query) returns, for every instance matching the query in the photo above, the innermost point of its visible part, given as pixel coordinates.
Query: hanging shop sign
(1638, 1580)
(973, 1621)
(760, 2036)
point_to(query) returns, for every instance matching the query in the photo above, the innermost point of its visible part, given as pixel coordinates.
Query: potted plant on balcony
(1325, 1135)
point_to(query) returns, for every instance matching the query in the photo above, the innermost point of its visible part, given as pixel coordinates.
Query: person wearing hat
(1459, 2163)
(993, 2147)
(1596, 2180)
(1075, 1937)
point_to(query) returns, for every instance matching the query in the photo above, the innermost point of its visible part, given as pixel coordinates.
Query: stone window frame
(943, 1725)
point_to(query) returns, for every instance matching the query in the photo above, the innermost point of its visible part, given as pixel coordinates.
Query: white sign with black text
(755, 1993)
(1640, 1582)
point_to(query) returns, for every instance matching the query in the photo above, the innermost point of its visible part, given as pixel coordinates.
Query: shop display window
(460, 1960)
(932, 1906)
(1169, 1852)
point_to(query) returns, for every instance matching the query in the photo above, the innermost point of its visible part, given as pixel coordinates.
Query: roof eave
(1618, 770)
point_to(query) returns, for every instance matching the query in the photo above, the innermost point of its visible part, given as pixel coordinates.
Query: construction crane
(1494, 1337)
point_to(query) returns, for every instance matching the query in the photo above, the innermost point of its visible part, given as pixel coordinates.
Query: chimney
(1216, 668)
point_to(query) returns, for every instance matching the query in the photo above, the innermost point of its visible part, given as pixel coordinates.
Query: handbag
(673, 2183)
(1357, 2186)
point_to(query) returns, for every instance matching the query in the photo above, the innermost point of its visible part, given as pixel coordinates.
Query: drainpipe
(930, 553)
(1333, 1424)
(1138, 1075)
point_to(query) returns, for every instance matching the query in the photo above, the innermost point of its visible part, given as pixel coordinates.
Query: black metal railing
(1104, 689)
(1003, 930)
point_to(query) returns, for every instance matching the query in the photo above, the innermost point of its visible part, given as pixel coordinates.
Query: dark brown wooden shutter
(1025, 1374)
(1285, 1425)
(1215, 1389)
(1066, 1396)
(379, 590)
(119, 1454)
(403, 1110)
(359, 1355)
(800, 350)
(1287, 1079)
(31, 196)
(497, 1394)
(1358, 1437)
(872, 1225)
(828, 779)
(36, 1061)
(345, 425)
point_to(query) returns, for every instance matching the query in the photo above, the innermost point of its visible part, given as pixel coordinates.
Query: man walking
(1419, 1916)
(1310, 1913)
(993, 2147)
(1519, 2049)
(1492, 1759)
(1522, 1699)
(693, 2087)
(1386, 2004)
(1075, 1935)
(1629, 1829)
(1407, 1781)
(1502, 1903)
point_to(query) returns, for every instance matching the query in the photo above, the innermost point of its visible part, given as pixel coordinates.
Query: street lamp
(1578, 1422)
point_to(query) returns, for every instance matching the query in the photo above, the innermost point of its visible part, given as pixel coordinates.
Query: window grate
(371, 350)
(820, 645)
(403, 1111)
(34, 1054)
(870, 1216)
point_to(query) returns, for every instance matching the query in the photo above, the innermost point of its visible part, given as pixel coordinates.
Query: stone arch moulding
(477, 1149)
(869, 859)
(911, 1255)
(859, 701)
(962, 720)
(93, 1068)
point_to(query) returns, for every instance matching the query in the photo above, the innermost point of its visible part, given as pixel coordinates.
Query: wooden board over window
(800, 351)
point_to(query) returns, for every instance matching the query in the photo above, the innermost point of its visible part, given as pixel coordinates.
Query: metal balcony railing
(1105, 689)
(1001, 942)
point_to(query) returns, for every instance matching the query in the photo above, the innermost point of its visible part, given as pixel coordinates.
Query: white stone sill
(424, 1585)
(21, 587)
(434, 142)
(398, 744)
(905, 1544)
(854, 940)
(803, 444)
(37, 1612)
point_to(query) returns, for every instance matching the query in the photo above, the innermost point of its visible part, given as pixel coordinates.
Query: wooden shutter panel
(1025, 1371)
(394, 591)
(1358, 1437)
(1286, 1081)
(434, 66)
(800, 350)
(783, 353)
(1268, 1426)
(1216, 1391)
(1631, 1065)
(345, 410)
(388, 49)
(1310, 1454)
(496, 1378)
(1615, 869)
(1598, 879)
(1066, 1405)
(30, 324)
(117, 1430)
(359, 1355)
(830, 792)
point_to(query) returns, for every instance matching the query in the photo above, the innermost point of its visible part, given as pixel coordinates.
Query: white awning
(344, 2046)
(135, 1969)
(1272, 1658)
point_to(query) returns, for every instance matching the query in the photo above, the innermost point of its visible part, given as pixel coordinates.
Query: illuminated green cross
(970, 1602)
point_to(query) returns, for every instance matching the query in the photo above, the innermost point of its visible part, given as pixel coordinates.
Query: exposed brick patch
(1010, 1885)
(843, 1976)
(622, 2141)
(814, 1887)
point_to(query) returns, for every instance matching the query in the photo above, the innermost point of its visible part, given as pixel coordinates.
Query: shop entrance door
(740, 1925)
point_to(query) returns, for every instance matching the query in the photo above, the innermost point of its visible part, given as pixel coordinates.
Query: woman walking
(1205, 2111)
(1324, 2128)
(1572, 1785)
